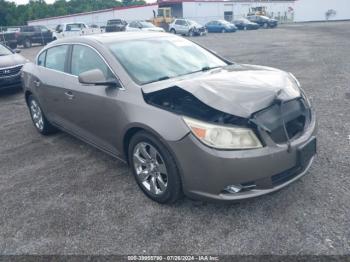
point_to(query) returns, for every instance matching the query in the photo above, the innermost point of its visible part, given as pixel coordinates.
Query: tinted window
(84, 59)
(133, 24)
(43, 29)
(41, 59)
(180, 22)
(56, 57)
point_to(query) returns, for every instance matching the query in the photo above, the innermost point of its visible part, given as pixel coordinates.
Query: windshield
(147, 24)
(162, 58)
(4, 51)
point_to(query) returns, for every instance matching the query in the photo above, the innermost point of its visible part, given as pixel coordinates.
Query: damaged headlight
(301, 90)
(223, 137)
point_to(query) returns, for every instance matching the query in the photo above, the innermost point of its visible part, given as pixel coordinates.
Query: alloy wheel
(36, 115)
(150, 168)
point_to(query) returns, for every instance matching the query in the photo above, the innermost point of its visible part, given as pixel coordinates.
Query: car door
(92, 111)
(209, 26)
(50, 82)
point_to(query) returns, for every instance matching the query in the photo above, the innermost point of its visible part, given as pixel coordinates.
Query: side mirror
(17, 51)
(97, 78)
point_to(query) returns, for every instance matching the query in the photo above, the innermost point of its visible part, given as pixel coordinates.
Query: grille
(294, 115)
(6, 72)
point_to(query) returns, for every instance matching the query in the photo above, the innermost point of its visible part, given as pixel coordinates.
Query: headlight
(301, 90)
(223, 137)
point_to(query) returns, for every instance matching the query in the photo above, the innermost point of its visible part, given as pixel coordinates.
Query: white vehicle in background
(141, 25)
(74, 29)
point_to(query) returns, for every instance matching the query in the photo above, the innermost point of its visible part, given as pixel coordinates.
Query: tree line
(14, 15)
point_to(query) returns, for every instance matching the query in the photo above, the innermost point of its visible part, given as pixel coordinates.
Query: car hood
(239, 90)
(153, 29)
(11, 60)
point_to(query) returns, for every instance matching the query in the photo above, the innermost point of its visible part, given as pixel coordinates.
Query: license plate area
(306, 152)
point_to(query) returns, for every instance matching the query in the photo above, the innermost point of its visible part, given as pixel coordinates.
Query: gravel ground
(61, 196)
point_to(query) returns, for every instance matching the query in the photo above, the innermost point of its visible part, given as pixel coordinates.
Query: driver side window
(85, 59)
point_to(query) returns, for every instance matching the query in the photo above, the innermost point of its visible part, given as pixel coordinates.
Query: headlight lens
(223, 137)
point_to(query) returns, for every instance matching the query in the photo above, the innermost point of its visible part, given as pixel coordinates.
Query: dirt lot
(61, 196)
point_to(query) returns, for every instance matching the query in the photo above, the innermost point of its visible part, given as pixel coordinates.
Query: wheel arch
(132, 130)
(26, 95)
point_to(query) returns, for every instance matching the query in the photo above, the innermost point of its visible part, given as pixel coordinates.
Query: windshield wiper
(159, 79)
(206, 68)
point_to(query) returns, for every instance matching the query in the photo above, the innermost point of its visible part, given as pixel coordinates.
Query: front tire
(42, 125)
(223, 30)
(27, 43)
(154, 168)
(172, 30)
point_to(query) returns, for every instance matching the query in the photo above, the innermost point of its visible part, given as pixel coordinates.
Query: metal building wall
(100, 17)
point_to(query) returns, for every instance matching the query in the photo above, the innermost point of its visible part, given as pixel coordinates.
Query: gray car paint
(104, 117)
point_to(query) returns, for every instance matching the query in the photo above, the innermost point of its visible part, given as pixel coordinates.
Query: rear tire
(42, 125)
(223, 30)
(265, 25)
(154, 168)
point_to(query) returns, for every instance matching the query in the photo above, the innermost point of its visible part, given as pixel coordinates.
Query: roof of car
(112, 37)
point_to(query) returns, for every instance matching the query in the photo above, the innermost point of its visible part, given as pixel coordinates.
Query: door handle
(69, 95)
(36, 83)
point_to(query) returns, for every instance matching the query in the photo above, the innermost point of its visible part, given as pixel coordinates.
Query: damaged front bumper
(207, 172)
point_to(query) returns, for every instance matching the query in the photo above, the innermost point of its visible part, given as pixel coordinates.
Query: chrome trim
(11, 67)
(83, 44)
(11, 76)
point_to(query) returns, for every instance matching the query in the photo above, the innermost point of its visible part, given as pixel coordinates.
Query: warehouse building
(205, 10)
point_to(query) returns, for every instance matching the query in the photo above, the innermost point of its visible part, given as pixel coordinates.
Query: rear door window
(56, 57)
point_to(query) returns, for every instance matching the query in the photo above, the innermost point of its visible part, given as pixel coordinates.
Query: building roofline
(94, 12)
(224, 1)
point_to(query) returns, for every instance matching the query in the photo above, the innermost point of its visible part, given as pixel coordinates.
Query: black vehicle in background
(10, 67)
(263, 21)
(8, 38)
(245, 24)
(116, 25)
(38, 34)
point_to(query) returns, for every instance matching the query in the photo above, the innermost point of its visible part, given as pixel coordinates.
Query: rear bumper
(206, 172)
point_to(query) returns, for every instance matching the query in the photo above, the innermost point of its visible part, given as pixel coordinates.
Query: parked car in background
(10, 67)
(8, 38)
(184, 119)
(245, 24)
(74, 29)
(263, 21)
(143, 26)
(115, 25)
(38, 34)
(186, 27)
(220, 26)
